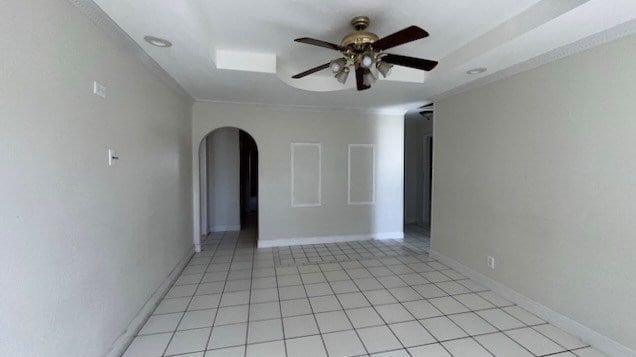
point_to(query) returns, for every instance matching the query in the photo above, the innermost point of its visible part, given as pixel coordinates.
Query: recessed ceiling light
(477, 70)
(156, 41)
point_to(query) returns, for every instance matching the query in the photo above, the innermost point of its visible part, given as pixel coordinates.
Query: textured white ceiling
(496, 34)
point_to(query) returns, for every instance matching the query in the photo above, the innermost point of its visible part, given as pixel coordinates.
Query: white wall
(274, 129)
(539, 170)
(223, 180)
(84, 245)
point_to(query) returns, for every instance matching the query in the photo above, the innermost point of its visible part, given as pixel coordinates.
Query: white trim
(312, 108)
(388, 235)
(372, 146)
(197, 233)
(268, 243)
(224, 228)
(203, 184)
(427, 200)
(586, 334)
(103, 21)
(125, 339)
(319, 203)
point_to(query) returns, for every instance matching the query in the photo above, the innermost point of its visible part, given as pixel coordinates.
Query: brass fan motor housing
(363, 52)
(359, 38)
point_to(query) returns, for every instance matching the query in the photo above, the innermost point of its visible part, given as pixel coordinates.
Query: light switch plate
(112, 157)
(99, 90)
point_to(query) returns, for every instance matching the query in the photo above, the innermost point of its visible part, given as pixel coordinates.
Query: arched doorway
(228, 184)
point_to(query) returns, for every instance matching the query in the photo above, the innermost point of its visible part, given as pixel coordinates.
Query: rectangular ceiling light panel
(245, 61)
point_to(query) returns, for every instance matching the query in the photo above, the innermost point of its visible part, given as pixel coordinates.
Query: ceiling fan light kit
(366, 59)
(338, 65)
(384, 68)
(362, 49)
(342, 75)
(368, 78)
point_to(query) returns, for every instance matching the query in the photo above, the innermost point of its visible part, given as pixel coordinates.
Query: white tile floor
(372, 298)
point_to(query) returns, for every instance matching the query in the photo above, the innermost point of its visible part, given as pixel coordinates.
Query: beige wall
(274, 129)
(223, 180)
(539, 171)
(84, 245)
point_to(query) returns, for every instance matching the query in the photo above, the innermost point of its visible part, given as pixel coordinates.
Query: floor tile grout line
(550, 338)
(415, 319)
(406, 309)
(176, 328)
(399, 265)
(358, 308)
(182, 316)
(343, 309)
(470, 310)
(249, 308)
(386, 324)
(207, 344)
(280, 309)
(313, 313)
(468, 335)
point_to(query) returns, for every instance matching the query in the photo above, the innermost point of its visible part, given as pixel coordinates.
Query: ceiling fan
(362, 49)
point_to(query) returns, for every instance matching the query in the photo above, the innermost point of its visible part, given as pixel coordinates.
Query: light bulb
(337, 65)
(342, 75)
(368, 78)
(384, 68)
(366, 60)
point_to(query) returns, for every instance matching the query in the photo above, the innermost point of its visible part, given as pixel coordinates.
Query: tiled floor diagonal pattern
(236, 300)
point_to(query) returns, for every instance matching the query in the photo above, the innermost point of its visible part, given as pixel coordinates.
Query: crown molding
(106, 24)
(309, 108)
(606, 36)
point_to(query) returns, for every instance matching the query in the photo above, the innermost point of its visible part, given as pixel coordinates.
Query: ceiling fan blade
(310, 71)
(412, 62)
(312, 41)
(427, 105)
(401, 37)
(360, 79)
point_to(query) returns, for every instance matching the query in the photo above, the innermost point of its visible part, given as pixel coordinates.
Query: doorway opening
(228, 175)
(249, 180)
(418, 173)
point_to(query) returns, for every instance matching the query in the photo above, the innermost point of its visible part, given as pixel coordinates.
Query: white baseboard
(224, 228)
(586, 334)
(197, 245)
(268, 243)
(388, 235)
(123, 341)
